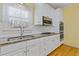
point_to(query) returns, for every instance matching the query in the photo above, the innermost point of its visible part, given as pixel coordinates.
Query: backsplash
(16, 31)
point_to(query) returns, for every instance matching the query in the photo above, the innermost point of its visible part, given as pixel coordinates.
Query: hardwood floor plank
(65, 50)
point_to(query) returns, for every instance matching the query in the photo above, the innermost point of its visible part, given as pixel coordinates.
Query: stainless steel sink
(20, 38)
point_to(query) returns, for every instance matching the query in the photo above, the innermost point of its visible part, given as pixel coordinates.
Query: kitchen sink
(20, 38)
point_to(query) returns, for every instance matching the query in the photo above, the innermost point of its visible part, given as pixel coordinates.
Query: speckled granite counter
(35, 36)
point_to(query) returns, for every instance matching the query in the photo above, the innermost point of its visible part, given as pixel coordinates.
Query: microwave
(46, 21)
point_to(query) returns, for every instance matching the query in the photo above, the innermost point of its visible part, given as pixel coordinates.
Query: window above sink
(15, 13)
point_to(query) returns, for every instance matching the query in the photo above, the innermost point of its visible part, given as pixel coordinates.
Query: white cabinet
(46, 45)
(1, 12)
(58, 16)
(37, 47)
(42, 47)
(55, 42)
(12, 47)
(33, 47)
(21, 53)
(38, 14)
(50, 43)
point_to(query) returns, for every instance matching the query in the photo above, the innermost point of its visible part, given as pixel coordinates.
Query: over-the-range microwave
(46, 21)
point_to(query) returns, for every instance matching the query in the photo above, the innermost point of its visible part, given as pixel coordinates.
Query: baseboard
(75, 46)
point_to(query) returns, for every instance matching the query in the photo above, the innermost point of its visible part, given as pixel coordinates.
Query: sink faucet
(21, 31)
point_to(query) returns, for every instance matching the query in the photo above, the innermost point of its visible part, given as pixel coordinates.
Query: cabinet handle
(44, 48)
(25, 51)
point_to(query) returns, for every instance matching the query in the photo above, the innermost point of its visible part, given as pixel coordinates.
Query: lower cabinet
(50, 43)
(12, 48)
(42, 47)
(37, 47)
(33, 47)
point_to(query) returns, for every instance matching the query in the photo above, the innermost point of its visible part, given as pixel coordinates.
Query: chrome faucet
(21, 31)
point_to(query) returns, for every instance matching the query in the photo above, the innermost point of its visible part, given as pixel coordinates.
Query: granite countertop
(17, 39)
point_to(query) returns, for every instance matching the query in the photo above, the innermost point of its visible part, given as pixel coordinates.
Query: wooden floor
(65, 50)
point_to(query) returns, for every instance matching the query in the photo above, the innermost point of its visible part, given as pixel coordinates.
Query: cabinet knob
(25, 51)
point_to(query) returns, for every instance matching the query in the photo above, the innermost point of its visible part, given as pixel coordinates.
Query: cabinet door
(33, 47)
(57, 41)
(48, 45)
(42, 47)
(22, 53)
(38, 14)
(54, 43)
(35, 51)
(51, 43)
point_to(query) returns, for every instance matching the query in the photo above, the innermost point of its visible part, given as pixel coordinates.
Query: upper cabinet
(38, 14)
(42, 10)
(1, 10)
(58, 16)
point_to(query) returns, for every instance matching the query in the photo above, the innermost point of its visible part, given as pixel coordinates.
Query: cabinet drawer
(20, 52)
(35, 51)
(12, 47)
(33, 43)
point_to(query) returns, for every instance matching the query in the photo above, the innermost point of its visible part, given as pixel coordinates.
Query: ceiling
(60, 5)
(54, 5)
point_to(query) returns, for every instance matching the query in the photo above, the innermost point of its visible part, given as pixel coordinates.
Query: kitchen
(30, 29)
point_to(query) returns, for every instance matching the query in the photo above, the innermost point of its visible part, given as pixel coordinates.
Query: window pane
(19, 14)
(26, 14)
(11, 11)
